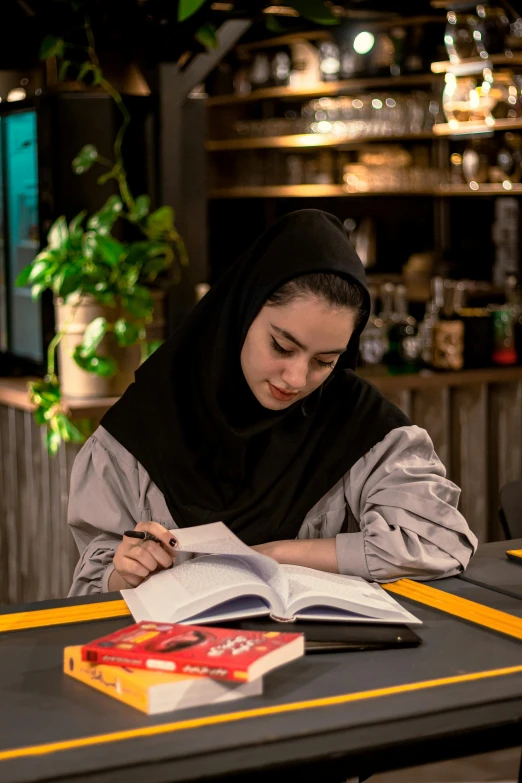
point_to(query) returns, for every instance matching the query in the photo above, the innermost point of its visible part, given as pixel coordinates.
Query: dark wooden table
(326, 717)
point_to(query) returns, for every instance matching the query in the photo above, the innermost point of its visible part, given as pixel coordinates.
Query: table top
(491, 569)
(387, 708)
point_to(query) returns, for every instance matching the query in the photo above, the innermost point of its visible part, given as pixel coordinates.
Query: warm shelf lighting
(18, 94)
(280, 10)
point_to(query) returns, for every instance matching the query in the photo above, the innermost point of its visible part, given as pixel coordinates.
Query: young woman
(251, 414)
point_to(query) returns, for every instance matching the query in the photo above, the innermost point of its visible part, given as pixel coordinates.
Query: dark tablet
(339, 637)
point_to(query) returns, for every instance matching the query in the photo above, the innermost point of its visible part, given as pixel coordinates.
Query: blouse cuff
(351, 558)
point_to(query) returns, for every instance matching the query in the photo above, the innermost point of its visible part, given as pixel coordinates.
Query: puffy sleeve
(406, 513)
(110, 492)
(102, 505)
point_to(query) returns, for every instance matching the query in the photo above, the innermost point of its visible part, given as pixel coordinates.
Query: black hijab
(192, 421)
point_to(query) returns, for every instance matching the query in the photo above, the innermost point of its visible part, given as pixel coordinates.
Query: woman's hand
(135, 560)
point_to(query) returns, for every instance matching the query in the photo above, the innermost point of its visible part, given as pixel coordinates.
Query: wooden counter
(473, 417)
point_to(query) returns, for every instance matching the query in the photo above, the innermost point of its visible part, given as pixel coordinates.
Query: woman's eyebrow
(293, 339)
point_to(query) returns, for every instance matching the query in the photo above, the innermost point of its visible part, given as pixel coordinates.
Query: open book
(228, 580)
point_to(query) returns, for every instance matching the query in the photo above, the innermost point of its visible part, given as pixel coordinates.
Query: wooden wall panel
(37, 551)
(470, 463)
(431, 409)
(505, 444)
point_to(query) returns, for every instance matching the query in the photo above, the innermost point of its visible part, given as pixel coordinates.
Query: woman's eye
(325, 364)
(279, 348)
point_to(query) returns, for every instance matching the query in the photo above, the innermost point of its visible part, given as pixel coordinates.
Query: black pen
(147, 537)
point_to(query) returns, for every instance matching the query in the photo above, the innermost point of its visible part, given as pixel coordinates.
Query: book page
(194, 587)
(217, 539)
(309, 587)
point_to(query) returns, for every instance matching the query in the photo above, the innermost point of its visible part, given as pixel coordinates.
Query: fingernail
(173, 542)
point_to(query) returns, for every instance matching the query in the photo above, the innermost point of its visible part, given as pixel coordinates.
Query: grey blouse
(393, 514)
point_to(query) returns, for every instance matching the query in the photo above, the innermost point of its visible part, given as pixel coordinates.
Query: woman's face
(291, 349)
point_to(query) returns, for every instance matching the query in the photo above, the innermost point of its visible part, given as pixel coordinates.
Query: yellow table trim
(472, 611)
(84, 613)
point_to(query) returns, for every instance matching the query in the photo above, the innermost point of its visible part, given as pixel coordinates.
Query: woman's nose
(295, 374)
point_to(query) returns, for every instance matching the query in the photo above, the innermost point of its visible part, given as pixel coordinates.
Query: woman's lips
(280, 395)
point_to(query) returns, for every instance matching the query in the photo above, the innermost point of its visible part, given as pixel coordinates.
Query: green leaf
(161, 257)
(37, 290)
(85, 159)
(67, 280)
(138, 302)
(75, 226)
(89, 245)
(152, 346)
(315, 11)
(110, 249)
(206, 35)
(53, 441)
(99, 365)
(51, 46)
(188, 7)
(127, 333)
(39, 416)
(141, 208)
(39, 271)
(103, 220)
(64, 67)
(68, 431)
(23, 277)
(58, 234)
(104, 366)
(160, 222)
(93, 336)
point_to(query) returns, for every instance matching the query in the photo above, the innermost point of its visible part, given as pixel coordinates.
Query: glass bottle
(504, 351)
(431, 317)
(404, 349)
(374, 338)
(329, 61)
(448, 332)
(281, 67)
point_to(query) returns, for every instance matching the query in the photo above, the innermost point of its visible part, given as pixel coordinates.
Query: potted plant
(101, 285)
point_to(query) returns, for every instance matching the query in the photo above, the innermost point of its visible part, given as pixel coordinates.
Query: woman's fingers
(159, 531)
(162, 558)
(135, 559)
(140, 555)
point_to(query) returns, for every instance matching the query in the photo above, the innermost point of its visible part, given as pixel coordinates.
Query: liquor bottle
(329, 61)
(404, 347)
(448, 333)
(281, 67)
(431, 317)
(260, 71)
(374, 338)
(504, 352)
(387, 314)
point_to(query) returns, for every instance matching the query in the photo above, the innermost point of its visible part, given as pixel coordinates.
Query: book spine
(137, 660)
(106, 680)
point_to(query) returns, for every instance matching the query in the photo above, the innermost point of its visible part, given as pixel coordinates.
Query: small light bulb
(363, 42)
(18, 94)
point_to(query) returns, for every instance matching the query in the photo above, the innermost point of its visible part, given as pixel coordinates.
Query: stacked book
(160, 667)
